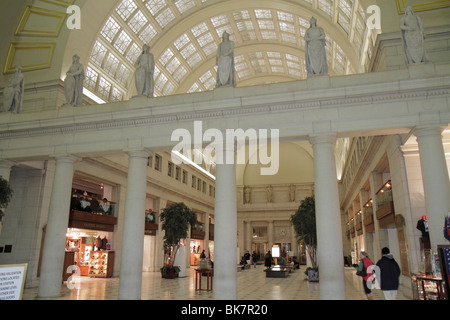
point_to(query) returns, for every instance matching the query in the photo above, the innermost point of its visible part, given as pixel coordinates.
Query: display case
(427, 287)
(101, 264)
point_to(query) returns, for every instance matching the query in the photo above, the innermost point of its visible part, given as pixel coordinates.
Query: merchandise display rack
(101, 264)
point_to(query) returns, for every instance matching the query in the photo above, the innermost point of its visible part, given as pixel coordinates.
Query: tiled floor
(252, 285)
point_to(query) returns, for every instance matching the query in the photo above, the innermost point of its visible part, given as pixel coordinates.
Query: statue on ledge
(13, 93)
(73, 84)
(145, 68)
(315, 54)
(225, 62)
(413, 39)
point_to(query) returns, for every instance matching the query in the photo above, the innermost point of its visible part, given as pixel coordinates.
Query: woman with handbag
(362, 271)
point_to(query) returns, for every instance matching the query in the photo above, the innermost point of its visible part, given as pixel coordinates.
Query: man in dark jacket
(389, 274)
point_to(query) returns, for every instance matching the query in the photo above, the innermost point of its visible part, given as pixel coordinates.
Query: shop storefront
(91, 227)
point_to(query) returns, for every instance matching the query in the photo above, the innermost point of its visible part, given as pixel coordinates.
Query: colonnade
(329, 231)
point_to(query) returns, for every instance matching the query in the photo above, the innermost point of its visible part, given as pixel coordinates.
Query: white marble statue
(73, 84)
(13, 93)
(412, 37)
(145, 68)
(315, 54)
(225, 62)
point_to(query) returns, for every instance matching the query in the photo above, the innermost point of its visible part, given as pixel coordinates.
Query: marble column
(134, 227)
(328, 223)
(5, 169)
(57, 222)
(249, 236)
(270, 235)
(435, 181)
(225, 231)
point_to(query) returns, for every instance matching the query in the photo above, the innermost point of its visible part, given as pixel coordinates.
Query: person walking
(365, 272)
(389, 274)
(268, 260)
(254, 258)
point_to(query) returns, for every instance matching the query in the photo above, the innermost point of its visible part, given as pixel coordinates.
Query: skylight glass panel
(268, 35)
(278, 69)
(263, 14)
(241, 15)
(125, 9)
(294, 65)
(292, 57)
(133, 53)
(344, 22)
(210, 83)
(188, 51)
(199, 29)
(181, 41)
(110, 29)
(272, 54)
(287, 27)
(275, 62)
(154, 6)
(294, 72)
(205, 39)
(219, 20)
(326, 6)
(284, 16)
(210, 49)
(179, 73)
(244, 25)
(228, 29)
(346, 7)
(205, 76)
(173, 65)
(168, 89)
(266, 24)
(104, 87)
(193, 88)
(111, 64)
(160, 82)
(137, 21)
(248, 35)
(91, 78)
(98, 53)
(123, 73)
(194, 59)
(122, 42)
(165, 17)
(184, 5)
(166, 56)
(116, 95)
(303, 22)
(147, 34)
(244, 73)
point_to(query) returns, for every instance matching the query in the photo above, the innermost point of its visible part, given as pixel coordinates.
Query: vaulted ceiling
(184, 34)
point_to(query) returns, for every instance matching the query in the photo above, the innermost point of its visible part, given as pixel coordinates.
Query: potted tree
(5, 195)
(304, 222)
(175, 220)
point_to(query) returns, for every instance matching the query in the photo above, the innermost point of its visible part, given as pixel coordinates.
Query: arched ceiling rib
(184, 35)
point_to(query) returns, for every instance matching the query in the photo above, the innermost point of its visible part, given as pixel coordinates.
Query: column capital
(6, 163)
(68, 158)
(420, 131)
(322, 138)
(139, 153)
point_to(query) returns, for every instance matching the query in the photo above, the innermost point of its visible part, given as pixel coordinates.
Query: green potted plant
(175, 220)
(5, 195)
(304, 222)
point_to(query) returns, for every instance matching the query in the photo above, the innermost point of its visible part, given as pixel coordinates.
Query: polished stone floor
(252, 285)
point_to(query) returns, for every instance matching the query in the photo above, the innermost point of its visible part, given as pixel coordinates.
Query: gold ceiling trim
(421, 5)
(49, 17)
(28, 47)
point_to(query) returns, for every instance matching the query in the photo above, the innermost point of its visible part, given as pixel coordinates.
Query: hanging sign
(12, 281)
